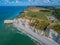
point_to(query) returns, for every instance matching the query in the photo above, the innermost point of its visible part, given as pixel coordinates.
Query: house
(51, 18)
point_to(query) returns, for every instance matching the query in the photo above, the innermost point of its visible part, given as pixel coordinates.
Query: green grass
(57, 13)
(56, 27)
(39, 15)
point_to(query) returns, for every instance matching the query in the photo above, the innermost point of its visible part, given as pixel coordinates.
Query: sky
(29, 2)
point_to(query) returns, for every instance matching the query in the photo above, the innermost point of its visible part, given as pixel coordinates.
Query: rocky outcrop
(50, 33)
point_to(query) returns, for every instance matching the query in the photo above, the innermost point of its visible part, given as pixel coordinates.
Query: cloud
(47, 1)
(52, 1)
(17, 1)
(30, 2)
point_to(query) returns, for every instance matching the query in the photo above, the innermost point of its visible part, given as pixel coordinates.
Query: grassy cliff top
(41, 17)
(40, 13)
(55, 27)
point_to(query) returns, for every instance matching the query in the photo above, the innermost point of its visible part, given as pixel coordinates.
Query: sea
(10, 35)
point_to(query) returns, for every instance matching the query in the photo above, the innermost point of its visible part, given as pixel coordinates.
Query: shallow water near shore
(9, 35)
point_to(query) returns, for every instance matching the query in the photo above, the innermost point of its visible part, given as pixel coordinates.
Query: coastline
(24, 25)
(9, 35)
(18, 24)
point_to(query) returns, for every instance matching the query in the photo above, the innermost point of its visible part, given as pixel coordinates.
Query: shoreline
(22, 23)
(20, 26)
(27, 30)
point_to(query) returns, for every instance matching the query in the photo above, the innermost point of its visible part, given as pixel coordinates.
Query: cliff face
(40, 19)
(53, 35)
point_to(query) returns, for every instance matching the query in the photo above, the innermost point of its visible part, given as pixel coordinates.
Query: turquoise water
(8, 35)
